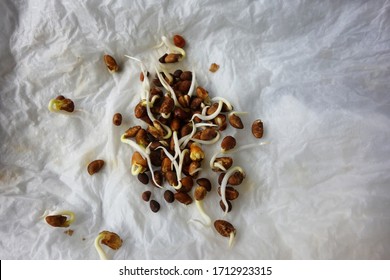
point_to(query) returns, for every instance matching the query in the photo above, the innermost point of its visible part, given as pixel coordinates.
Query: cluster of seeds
(178, 118)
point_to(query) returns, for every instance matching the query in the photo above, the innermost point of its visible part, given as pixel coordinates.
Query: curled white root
(206, 218)
(98, 247)
(230, 172)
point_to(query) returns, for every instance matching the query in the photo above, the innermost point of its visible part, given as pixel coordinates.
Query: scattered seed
(224, 228)
(235, 121)
(95, 166)
(257, 128)
(228, 143)
(146, 195)
(111, 64)
(117, 119)
(214, 67)
(179, 41)
(154, 206)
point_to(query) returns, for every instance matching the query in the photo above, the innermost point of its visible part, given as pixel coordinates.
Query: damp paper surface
(315, 72)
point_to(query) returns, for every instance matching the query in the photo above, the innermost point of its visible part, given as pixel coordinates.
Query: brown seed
(186, 129)
(195, 103)
(95, 166)
(111, 64)
(179, 41)
(224, 228)
(154, 206)
(158, 177)
(180, 114)
(236, 178)
(162, 59)
(166, 165)
(57, 221)
(257, 128)
(143, 178)
(200, 193)
(167, 105)
(187, 184)
(140, 110)
(117, 119)
(184, 86)
(169, 196)
(214, 67)
(132, 131)
(156, 133)
(175, 124)
(177, 73)
(226, 162)
(220, 120)
(208, 134)
(138, 160)
(228, 143)
(66, 104)
(202, 93)
(230, 193)
(196, 152)
(204, 182)
(235, 121)
(186, 76)
(223, 207)
(172, 58)
(211, 110)
(183, 198)
(194, 165)
(184, 100)
(156, 157)
(171, 178)
(111, 240)
(141, 138)
(146, 195)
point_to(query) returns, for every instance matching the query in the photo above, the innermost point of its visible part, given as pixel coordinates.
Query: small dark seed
(146, 195)
(204, 182)
(169, 196)
(143, 178)
(154, 206)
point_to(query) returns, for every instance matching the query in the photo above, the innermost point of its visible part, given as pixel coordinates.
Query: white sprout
(210, 117)
(207, 142)
(227, 103)
(144, 152)
(200, 206)
(193, 83)
(234, 150)
(167, 87)
(225, 179)
(145, 82)
(172, 48)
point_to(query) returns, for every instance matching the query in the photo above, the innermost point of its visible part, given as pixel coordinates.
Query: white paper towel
(316, 73)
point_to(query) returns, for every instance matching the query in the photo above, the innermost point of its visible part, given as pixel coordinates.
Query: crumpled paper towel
(315, 72)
